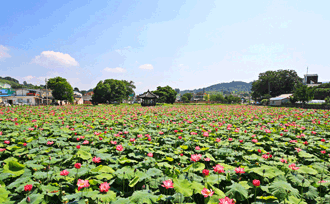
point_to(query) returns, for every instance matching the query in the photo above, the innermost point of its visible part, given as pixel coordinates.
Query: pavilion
(148, 98)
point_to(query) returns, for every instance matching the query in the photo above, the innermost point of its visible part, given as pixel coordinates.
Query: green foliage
(61, 89)
(188, 96)
(280, 82)
(129, 88)
(321, 93)
(111, 90)
(166, 94)
(304, 93)
(184, 99)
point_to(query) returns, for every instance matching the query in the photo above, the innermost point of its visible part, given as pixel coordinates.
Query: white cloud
(146, 66)
(28, 78)
(115, 70)
(51, 59)
(3, 52)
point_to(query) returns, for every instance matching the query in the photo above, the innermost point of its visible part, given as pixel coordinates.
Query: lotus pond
(167, 154)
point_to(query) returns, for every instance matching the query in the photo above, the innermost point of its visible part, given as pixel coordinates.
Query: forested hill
(236, 86)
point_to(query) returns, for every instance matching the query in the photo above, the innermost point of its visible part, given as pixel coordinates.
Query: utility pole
(46, 90)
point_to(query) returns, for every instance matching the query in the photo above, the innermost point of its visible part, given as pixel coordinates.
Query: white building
(279, 100)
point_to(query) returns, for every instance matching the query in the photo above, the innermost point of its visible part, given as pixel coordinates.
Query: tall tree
(166, 94)
(188, 95)
(275, 83)
(304, 93)
(129, 88)
(109, 90)
(61, 89)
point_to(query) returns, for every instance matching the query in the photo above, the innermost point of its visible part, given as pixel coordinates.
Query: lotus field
(164, 154)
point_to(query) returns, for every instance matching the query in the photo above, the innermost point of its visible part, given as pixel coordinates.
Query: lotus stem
(255, 194)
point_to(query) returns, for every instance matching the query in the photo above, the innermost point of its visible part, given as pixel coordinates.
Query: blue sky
(184, 44)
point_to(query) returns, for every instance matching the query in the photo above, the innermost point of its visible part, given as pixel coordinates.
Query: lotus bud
(28, 199)
(134, 170)
(303, 181)
(264, 171)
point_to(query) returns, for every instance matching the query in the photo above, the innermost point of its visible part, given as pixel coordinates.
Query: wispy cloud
(51, 59)
(146, 66)
(4, 52)
(115, 70)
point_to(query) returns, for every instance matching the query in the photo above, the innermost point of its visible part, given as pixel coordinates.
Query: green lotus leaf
(13, 167)
(143, 197)
(183, 186)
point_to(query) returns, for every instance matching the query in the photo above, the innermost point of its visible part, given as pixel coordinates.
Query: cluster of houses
(33, 97)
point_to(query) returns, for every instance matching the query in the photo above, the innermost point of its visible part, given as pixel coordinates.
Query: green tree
(184, 99)
(76, 89)
(206, 97)
(61, 89)
(177, 90)
(276, 82)
(304, 93)
(129, 88)
(188, 95)
(166, 94)
(109, 90)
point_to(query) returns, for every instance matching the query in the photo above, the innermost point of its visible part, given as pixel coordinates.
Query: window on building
(28, 100)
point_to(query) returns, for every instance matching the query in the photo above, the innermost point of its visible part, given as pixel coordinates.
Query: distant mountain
(225, 87)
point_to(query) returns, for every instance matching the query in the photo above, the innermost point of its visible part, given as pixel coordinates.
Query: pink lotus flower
(132, 140)
(218, 140)
(239, 170)
(195, 157)
(6, 142)
(180, 137)
(161, 133)
(168, 184)
(323, 151)
(205, 172)
(50, 142)
(125, 132)
(205, 134)
(24, 144)
(197, 148)
(322, 140)
(259, 150)
(255, 140)
(139, 135)
(293, 166)
(113, 142)
(226, 200)
(119, 148)
(104, 187)
(86, 142)
(206, 192)
(28, 187)
(78, 146)
(323, 181)
(230, 139)
(193, 133)
(96, 159)
(267, 131)
(265, 156)
(77, 165)
(256, 182)
(150, 154)
(297, 149)
(283, 160)
(82, 184)
(219, 169)
(30, 129)
(64, 173)
(2, 149)
(207, 159)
